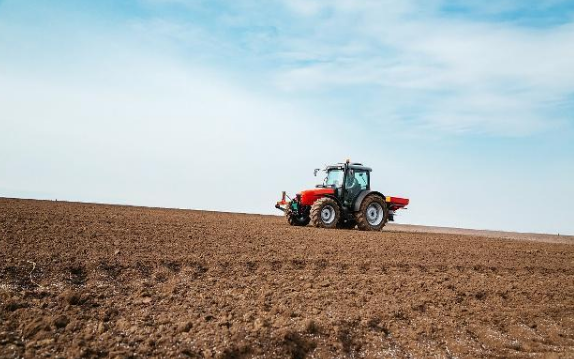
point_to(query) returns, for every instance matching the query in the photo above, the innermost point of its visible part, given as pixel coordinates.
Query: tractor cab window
(362, 179)
(334, 178)
(358, 180)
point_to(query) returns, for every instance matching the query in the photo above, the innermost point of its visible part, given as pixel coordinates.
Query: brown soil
(83, 280)
(538, 237)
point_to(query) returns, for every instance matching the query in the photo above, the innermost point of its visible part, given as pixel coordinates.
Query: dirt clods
(90, 281)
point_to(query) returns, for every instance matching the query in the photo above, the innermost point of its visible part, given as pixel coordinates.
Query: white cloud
(498, 78)
(144, 129)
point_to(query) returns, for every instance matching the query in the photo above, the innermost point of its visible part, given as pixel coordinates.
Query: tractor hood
(309, 196)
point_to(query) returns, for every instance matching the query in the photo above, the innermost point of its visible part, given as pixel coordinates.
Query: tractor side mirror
(315, 171)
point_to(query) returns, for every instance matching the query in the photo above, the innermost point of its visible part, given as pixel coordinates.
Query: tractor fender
(362, 196)
(336, 200)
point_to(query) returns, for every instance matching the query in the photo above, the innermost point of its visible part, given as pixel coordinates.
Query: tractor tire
(373, 213)
(349, 224)
(325, 213)
(297, 220)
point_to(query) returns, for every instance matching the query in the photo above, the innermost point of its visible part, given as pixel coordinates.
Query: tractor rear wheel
(325, 213)
(297, 220)
(373, 213)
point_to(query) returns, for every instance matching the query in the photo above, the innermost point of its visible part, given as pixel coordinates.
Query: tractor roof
(355, 166)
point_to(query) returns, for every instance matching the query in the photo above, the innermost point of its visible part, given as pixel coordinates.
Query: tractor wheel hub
(328, 214)
(375, 214)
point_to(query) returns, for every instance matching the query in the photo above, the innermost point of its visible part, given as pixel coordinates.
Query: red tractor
(344, 200)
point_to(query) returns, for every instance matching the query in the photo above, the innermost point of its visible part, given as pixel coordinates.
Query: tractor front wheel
(373, 214)
(297, 220)
(325, 213)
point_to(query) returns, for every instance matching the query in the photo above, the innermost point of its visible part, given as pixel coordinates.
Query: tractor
(343, 200)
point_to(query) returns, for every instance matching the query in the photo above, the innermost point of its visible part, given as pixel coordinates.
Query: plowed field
(83, 280)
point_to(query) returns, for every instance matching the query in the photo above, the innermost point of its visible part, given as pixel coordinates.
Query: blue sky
(466, 107)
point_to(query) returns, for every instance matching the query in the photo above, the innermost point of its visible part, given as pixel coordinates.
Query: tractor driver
(352, 186)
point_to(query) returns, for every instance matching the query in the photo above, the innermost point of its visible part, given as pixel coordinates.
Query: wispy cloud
(471, 67)
(495, 77)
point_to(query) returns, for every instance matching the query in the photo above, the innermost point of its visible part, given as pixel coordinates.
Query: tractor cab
(343, 200)
(348, 181)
